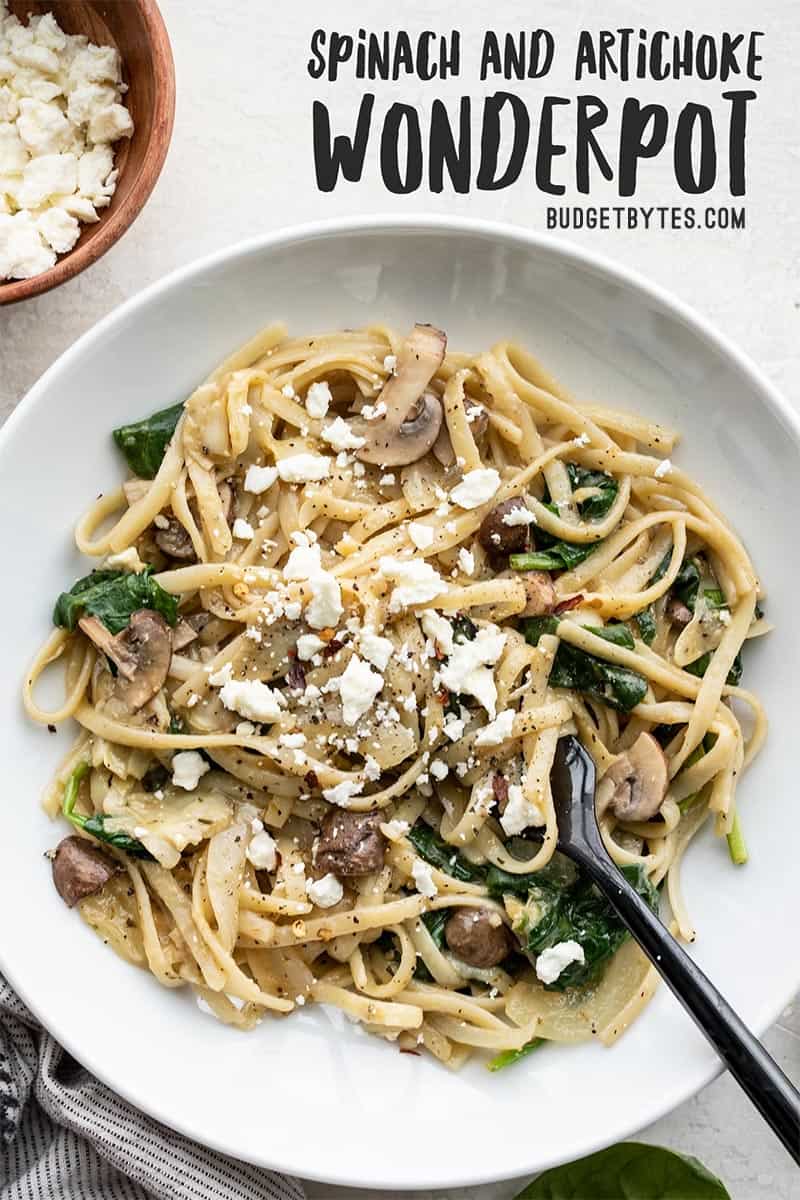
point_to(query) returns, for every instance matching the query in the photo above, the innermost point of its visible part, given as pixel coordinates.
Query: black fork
(572, 782)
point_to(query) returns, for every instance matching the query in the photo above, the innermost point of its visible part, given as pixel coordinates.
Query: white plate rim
(393, 223)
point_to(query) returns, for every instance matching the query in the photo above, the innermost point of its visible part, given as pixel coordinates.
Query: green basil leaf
(632, 1170)
(113, 596)
(144, 443)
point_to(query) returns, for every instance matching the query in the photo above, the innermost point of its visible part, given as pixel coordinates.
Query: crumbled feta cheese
(342, 793)
(550, 963)
(303, 563)
(288, 391)
(325, 607)
(438, 629)
(324, 892)
(243, 529)
(252, 699)
(520, 813)
(663, 469)
(188, 766)
(304, 468)
(420, 534)
(519, 516)
(453, 727)
(466, 560)
(377, 650)
(308, 644)
(60, 104)
(439, 770)
(582, 439)
(339, 435)
(245, 729)
(390, 362)
(387, 480)
(262, 851)
(126, 560)
(358, 687)
(59, 229)
(468, 668)
(498, 730)
(318, 399)
(372, 768)
(394, 830)
(259, 479)
(423, 878)
(415, 580)
(476, 487)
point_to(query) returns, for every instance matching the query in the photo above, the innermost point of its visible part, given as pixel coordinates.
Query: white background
(241, 163)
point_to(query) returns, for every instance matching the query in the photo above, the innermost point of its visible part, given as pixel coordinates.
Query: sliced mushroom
(80, 869)
(478, 936)
(141, 653)
(413, 417)
(678, 612)
(174, 541)
(498, 538)
(640, 779)
(479, 422)
(540, 593)
(350, 843)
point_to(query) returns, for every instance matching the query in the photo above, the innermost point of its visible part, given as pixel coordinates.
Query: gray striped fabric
(64, 1134)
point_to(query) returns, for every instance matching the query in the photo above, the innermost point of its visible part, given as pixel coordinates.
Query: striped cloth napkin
(64, 1134)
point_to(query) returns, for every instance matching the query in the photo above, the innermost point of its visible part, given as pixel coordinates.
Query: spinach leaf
(96, 824)
(701, 665)
(560, 556)
(686, 583)
(595, 506)
(646, 621)
(559, 872)
(113, 596)
(628, 1169)
(434, 922)
(438, 853)
(144, 443)
(618, 687)
(506, 1057)
(556, 913)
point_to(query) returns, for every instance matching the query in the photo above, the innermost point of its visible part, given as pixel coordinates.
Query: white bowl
(311, 1095)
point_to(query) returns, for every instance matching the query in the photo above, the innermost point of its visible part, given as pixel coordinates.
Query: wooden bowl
(136, 29)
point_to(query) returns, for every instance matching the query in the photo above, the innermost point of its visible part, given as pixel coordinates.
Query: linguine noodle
(401, 573)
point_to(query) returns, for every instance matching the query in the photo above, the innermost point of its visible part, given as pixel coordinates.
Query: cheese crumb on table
(60, 110)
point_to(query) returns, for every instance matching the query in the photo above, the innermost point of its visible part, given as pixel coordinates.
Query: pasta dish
(354, 590)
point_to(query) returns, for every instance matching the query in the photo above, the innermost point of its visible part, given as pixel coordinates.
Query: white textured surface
(241, 163)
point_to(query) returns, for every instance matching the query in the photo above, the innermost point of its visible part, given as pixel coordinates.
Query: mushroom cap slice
(80, 869)
(413, 416)
(640, 779)
(148, 638)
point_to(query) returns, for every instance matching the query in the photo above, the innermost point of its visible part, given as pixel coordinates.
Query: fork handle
(748, 1061)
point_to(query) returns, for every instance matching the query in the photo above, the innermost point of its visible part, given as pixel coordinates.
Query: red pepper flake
(565, 605)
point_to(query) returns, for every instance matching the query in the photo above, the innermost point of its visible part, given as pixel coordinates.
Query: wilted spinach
(435, 850)
(594, 507)
(558, 912)
(96, 823)
(113, 596)
(558, 556)
(144, 443)
(701, 665)
(618, 687)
